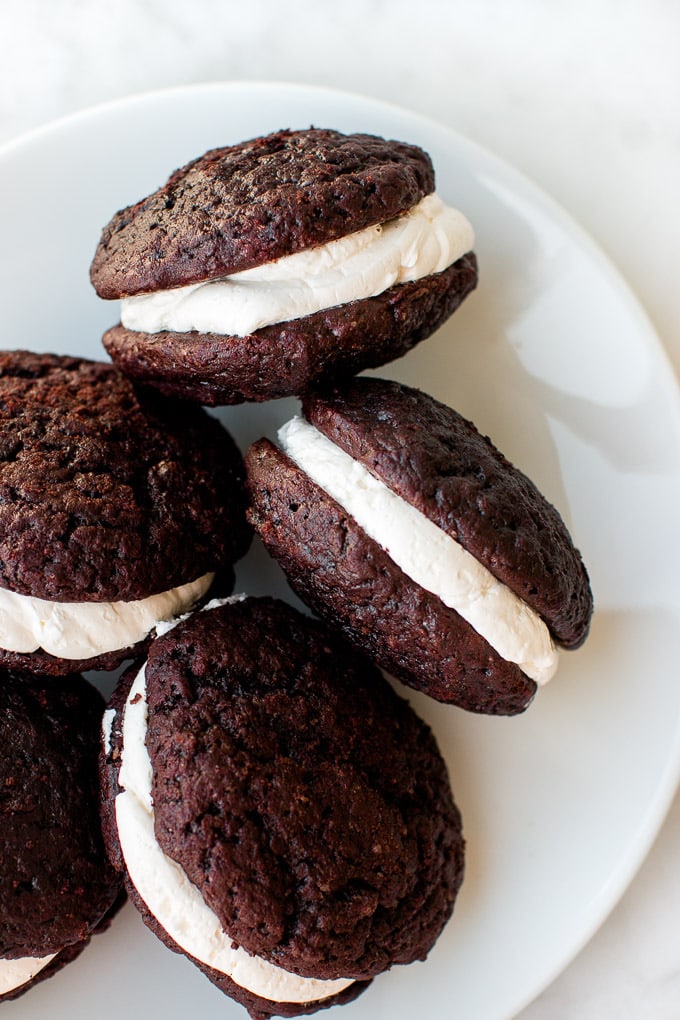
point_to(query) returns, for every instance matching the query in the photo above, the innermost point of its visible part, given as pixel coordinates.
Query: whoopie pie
(397, 521)
(281, 816)
(264, 267)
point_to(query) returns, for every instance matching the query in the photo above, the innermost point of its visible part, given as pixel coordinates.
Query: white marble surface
(583, 97)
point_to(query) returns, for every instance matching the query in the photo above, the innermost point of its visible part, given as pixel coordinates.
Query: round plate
(553, 358)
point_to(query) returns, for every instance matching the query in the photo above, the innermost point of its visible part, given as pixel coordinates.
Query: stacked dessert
(118, 511)
(276, 812)
(261, 269)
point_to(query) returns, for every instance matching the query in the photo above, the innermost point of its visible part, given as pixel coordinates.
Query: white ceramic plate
(554, 359)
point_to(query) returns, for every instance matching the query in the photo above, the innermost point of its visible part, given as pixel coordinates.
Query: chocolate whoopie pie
(262, 268)
(57, 887)
(395, 520)
(117, 510)
(283, 818)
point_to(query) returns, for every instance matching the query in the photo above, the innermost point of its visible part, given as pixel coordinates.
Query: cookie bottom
(51, 665)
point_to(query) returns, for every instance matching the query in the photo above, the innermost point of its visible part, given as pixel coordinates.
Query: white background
(584, 97)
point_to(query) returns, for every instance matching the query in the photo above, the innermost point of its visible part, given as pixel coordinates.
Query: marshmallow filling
(166, 890)
(426, 239)
(84, 630)
(425, 553)
(15, 973)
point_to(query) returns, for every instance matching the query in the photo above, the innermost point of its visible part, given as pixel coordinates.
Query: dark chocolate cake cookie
(398, 522)
(117, 509)
(56, 885)
(297, 836)
(263, 268)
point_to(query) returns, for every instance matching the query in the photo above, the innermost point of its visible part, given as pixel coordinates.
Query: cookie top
(437, 461)
(243, 205)
(109, 493)
(305, 800)
(55, 882)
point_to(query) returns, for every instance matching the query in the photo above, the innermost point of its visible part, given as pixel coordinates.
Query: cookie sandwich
(118, 509)
(397, 521)
(262, 268)
(57, 887)
(282, 817)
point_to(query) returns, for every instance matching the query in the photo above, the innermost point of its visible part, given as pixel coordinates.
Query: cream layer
(83, 630)
(425, 239)
(15, 973)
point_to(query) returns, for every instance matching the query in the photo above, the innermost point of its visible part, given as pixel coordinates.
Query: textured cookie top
(55, 883)
(438, 461)
(246, 204)
(108, 493)
(304, 798)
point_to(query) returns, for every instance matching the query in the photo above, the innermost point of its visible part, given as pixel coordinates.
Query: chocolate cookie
(305, 806)
(397, 521)
(262, 268)
(56, 885)
(117, 508)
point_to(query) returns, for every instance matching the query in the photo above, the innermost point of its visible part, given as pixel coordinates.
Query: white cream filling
(173, 900)
(167, 625)
(426, 239)
(107, 729)
(82, 630)
(424, 552)
(15, 973)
